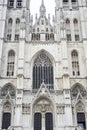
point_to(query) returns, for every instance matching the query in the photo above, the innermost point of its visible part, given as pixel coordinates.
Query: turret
(42, 9)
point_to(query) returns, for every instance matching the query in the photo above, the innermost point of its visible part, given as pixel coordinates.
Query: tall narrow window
(48, 121)
(10, 3)
(19, 3)
(37, 36)
(17, 29)
(47, 36)
(9, 29)
(33, 36)
(10, 64)
(51, 36)
(42, 71)
(68, 31)
(81, 120)
(75, 64)
(76, 29)
(37, 121)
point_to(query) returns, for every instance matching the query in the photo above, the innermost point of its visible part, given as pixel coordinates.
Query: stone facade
(43, 67)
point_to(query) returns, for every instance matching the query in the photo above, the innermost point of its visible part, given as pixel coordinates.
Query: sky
(49, 4)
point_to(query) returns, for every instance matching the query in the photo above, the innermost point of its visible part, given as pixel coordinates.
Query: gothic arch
(75, 51)
(7, 84)
(80, 106)
(39, 52)
(78, 92)
(8, 91)
(77, 84)
(43, 93)
(43, 105)
(42, 70)
(43, 100)
(80, 114)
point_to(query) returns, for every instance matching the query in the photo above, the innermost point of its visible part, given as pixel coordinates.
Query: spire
(42, 9)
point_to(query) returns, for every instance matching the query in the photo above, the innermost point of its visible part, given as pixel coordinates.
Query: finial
(42, 2)
(36, 17)
(49, 17)
(42, 9)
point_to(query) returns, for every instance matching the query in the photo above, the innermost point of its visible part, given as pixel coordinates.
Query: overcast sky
(49, 4)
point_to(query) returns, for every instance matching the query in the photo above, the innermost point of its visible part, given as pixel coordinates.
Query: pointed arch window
(47, 36)
(68, 30)
(75, 63)
(9, 29)
(10, 64)
(17, 29)
(76, 29)
(8, 90)
(42, 71)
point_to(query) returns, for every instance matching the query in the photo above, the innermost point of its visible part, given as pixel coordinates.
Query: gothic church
(43, 66)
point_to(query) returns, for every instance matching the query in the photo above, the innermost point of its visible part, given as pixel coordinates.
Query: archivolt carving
(79, 106)
(7, 90)
(78, 90)
(43, 106)
(7, 107)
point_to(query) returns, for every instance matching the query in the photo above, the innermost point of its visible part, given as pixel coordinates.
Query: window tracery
(9, 29)
(76, 29)
(42, 71)
(75, 63)
(68, 30)
(17, 29)
(8, 90)
(10, 64)
(78, 90)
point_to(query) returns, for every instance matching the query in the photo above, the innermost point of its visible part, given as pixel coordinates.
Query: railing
(70, 128)
(59, 128)
(73, 128)
(13, 128)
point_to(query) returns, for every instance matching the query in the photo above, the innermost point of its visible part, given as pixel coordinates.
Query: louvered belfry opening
(42, 72)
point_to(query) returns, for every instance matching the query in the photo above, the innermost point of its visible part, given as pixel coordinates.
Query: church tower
(43, 66)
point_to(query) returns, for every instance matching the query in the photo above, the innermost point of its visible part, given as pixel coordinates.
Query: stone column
(43, 121)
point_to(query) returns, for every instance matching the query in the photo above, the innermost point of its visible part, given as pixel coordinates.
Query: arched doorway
(6, 116)
(81, 120)
(78, 95)
(43, 114)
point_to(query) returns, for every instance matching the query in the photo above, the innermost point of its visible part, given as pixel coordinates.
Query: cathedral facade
(43, 66)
